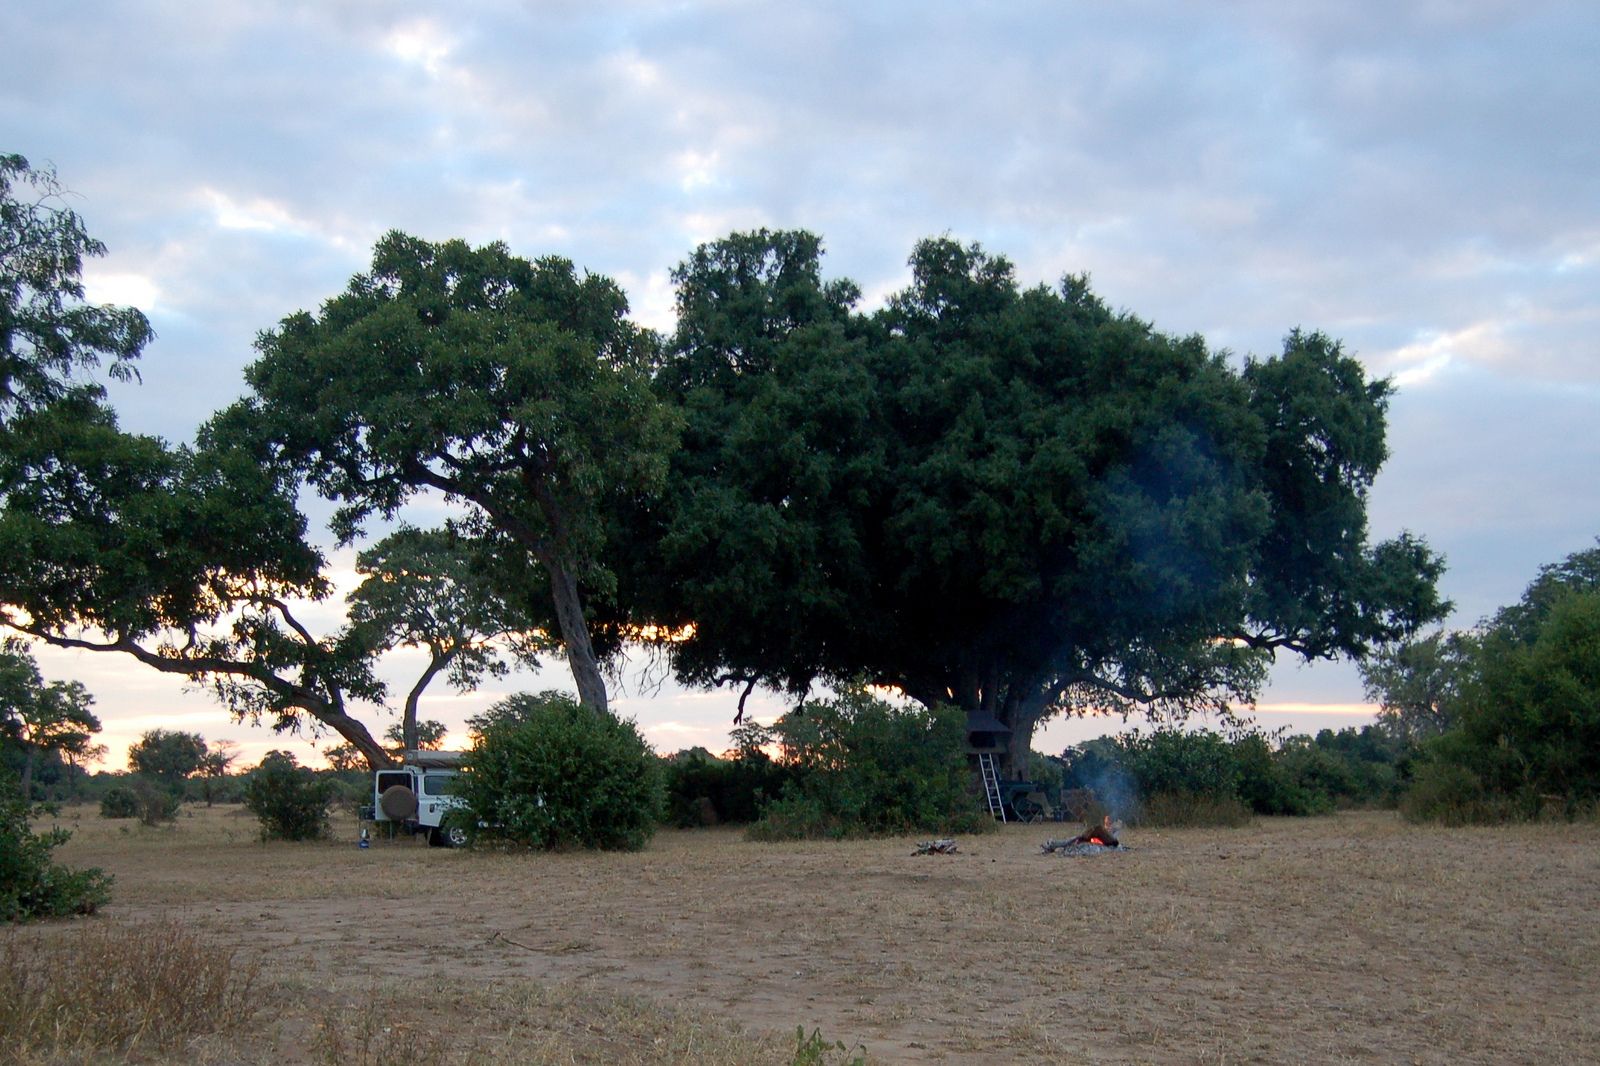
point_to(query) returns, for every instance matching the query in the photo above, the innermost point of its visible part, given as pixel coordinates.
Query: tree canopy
(193, 559)
(1011, 499)
(48, 335)
(1014, 500)
(516, 389)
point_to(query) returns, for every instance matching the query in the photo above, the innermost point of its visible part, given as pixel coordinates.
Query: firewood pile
(936, 847)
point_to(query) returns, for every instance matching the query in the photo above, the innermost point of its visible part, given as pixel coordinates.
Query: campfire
(1091, 841)
(1102, 834)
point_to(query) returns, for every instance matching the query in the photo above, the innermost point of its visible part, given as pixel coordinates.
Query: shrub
(157, 803)
(120, 802)
(546, 772)
(31, 885)
(1282, 781)
(1453, 795)
(862, 766)
(735, 790)
(290, 801)
(1187, 810)
(141, 799)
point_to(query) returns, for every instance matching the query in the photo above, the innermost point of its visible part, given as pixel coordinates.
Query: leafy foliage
(546, 772)
(120, 802)
(1171, 776)
(141, 798)
(187, 558)
(289, 800)
(1417, 684)
(517, 389)
(859, 765)
(168, 756)
(31, 884)
(430, 736)
(40, 718)
(1014, 500)
(48, 335)
(732, 789)
(1523, 706)
(437, 591)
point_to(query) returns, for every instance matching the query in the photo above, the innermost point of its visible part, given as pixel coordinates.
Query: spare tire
(398, 803)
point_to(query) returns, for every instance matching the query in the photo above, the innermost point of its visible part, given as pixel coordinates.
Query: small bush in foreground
(546, 772)
(289, 800)
(119, 989)
(31, 885)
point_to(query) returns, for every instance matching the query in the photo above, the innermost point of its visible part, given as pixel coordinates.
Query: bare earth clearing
(1347, 939)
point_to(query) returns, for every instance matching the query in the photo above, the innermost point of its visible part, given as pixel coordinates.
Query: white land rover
(418, 795)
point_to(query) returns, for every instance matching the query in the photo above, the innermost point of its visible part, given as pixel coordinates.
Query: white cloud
(259, 215)
(696, 170)
(421, 42)
(121, 287)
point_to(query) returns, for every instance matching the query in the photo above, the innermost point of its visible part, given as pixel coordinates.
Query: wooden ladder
(991, 784)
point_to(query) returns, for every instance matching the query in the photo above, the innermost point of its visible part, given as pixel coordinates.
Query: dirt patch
(1353, 938)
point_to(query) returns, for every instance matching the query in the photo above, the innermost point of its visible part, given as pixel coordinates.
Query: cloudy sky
(1419, 179)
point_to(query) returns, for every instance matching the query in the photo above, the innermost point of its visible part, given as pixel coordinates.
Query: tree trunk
(1014, 765)
(1024, 706)
(356, 733)
(408, 722)
(27, 774)
(575, 637)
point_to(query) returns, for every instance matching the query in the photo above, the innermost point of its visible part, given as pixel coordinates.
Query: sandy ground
(1353, 938)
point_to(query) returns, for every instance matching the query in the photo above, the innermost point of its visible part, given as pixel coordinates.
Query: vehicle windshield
(439, 784)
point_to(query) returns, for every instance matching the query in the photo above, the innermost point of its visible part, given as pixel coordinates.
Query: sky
(1420, 180)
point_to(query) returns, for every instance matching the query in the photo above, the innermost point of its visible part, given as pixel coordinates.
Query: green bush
(546, 772)
(861, 766)
(1525, 735)
(734, 790)
(1266, 773)
(1188, 810)
(289, 800)
(31, 885)
(1175, 761)
(1453, 795)
(1282, 780)
(120, 802)
(142, 799)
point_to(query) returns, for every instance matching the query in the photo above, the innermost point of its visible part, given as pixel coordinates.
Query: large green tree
(1015, 500)
(192, 559)
(518, 390)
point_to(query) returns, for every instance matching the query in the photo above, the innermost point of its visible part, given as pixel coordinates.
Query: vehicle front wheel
(454, 836)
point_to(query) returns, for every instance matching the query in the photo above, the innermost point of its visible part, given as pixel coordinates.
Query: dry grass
(1355, 938)
(90, 989)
